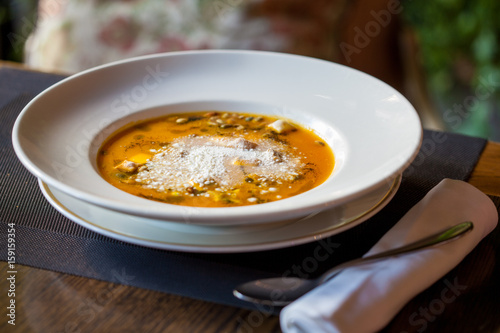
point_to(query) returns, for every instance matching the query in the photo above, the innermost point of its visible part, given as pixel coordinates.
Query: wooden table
(53, 302)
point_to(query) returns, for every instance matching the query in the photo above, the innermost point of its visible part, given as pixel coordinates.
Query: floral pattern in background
(73, 35)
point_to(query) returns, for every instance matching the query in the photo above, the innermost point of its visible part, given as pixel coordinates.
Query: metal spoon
(284, 290)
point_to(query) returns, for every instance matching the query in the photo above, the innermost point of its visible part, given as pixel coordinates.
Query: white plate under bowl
(221, 239)
(373, 130)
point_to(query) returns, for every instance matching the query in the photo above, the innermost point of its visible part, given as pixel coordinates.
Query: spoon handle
(437, 238)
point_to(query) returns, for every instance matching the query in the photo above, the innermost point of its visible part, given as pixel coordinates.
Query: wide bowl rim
(231, 215)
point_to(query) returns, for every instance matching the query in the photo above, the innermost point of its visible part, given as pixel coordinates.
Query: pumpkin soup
(215, 159)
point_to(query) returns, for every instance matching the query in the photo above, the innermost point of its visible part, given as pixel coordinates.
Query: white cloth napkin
(366, 298)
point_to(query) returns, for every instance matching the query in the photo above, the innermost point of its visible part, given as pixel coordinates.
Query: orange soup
(215, 159)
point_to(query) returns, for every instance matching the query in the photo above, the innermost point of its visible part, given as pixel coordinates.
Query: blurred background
(443, 55)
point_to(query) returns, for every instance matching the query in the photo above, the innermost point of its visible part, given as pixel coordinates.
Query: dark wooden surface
(53, 302)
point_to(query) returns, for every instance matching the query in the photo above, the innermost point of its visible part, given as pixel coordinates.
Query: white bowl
(373, 130)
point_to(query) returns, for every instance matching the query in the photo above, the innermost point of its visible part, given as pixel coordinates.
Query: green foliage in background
(459, 42)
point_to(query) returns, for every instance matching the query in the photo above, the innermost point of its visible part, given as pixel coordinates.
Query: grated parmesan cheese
(204, 160)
